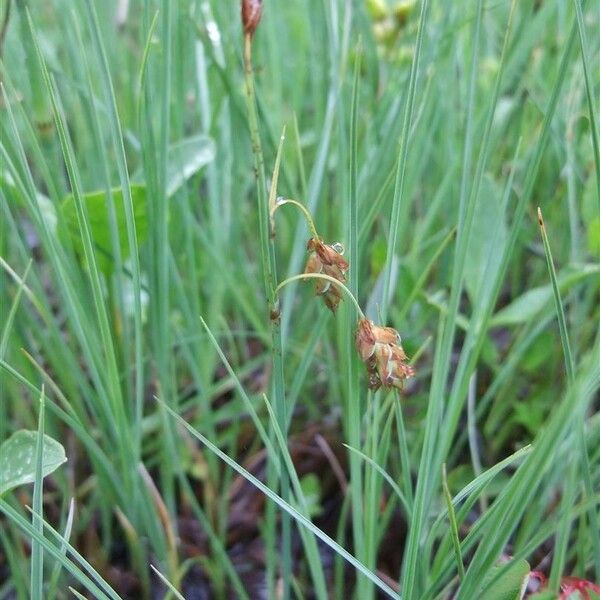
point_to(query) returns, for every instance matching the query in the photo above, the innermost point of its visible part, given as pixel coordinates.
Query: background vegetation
(423, 137)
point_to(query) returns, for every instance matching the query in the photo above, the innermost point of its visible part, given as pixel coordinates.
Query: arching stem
(283, 201)
(326, 278)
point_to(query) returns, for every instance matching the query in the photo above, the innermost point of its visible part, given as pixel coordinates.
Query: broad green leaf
(184, 159)
(17, 459)
(97, 208)
(510, 585)
(528, 305)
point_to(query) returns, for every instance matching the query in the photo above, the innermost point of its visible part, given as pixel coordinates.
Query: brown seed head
(327, 259)
(381, 350)
(251, 13)
(365, 339)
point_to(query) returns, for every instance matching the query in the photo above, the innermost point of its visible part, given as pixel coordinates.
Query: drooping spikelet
(328, 260)
(380, 348)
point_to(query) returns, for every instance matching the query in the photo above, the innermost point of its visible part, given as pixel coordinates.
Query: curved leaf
(97, 209)
(17, 458)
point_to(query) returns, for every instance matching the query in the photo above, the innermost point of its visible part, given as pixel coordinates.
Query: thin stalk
(153, 115)
(354, 392)
(333, 280)
(428, 468)
(112, 374)
(285, 506)
(372, 489)
(37, 517)
(570, 484)
(402, 160)
(267, 251)
(404, 457)
(4, 337)
(56, 571)
(560, 312)
(121, 161)
(55, 552)
(589, 89)
(309, 220)
(453, 524)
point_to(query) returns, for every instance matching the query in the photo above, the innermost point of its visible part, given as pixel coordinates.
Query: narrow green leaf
(453, 525)
(37, 552)
(171, 587)
(290, 510)
(56, 571)
(101, 594)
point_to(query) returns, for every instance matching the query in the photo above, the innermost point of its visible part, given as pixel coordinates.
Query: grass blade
(453, 525)
(290, 510)
(570, 485)
(37, 552)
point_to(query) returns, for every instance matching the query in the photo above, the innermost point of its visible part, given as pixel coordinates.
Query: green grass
(141, 297)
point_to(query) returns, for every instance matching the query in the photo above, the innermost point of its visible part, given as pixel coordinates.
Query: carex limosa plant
(251, 11)
(380, 348)
(328, 267)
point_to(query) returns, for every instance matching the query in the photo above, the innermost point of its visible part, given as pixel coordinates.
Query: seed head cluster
(327, 259)
(380, 348)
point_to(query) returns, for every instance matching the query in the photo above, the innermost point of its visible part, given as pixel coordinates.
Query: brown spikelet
(251, 13)
(381, 350)
(327, 259)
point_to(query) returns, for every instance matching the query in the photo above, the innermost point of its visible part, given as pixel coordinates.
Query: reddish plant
(328, 260)
(251, 13)
(380, 348)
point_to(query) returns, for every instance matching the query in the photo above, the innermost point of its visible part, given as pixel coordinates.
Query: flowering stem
(305, 276)
(311, 224)
(269, 276)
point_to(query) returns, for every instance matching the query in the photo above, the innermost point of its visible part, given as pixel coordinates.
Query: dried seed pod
(251, 13)
(327, 259)
(380, 348)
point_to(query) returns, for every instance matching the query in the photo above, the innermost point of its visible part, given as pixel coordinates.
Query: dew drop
(339, 248)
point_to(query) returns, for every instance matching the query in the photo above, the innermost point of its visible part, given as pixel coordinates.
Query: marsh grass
(180, 357)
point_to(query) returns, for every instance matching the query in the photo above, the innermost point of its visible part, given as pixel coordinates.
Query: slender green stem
(589, 88)
(267, 251)
(4, 27)
(333, 280)
(562, 322)
(579, 433)
(354, 392)
(398, 200)
(404, 457)
(37, 517)
(259, 165)
(453, 524)
(311, 224)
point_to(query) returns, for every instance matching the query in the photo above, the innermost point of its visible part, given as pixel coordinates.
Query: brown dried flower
(251, 13)
(381, 350)
(327, 259)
